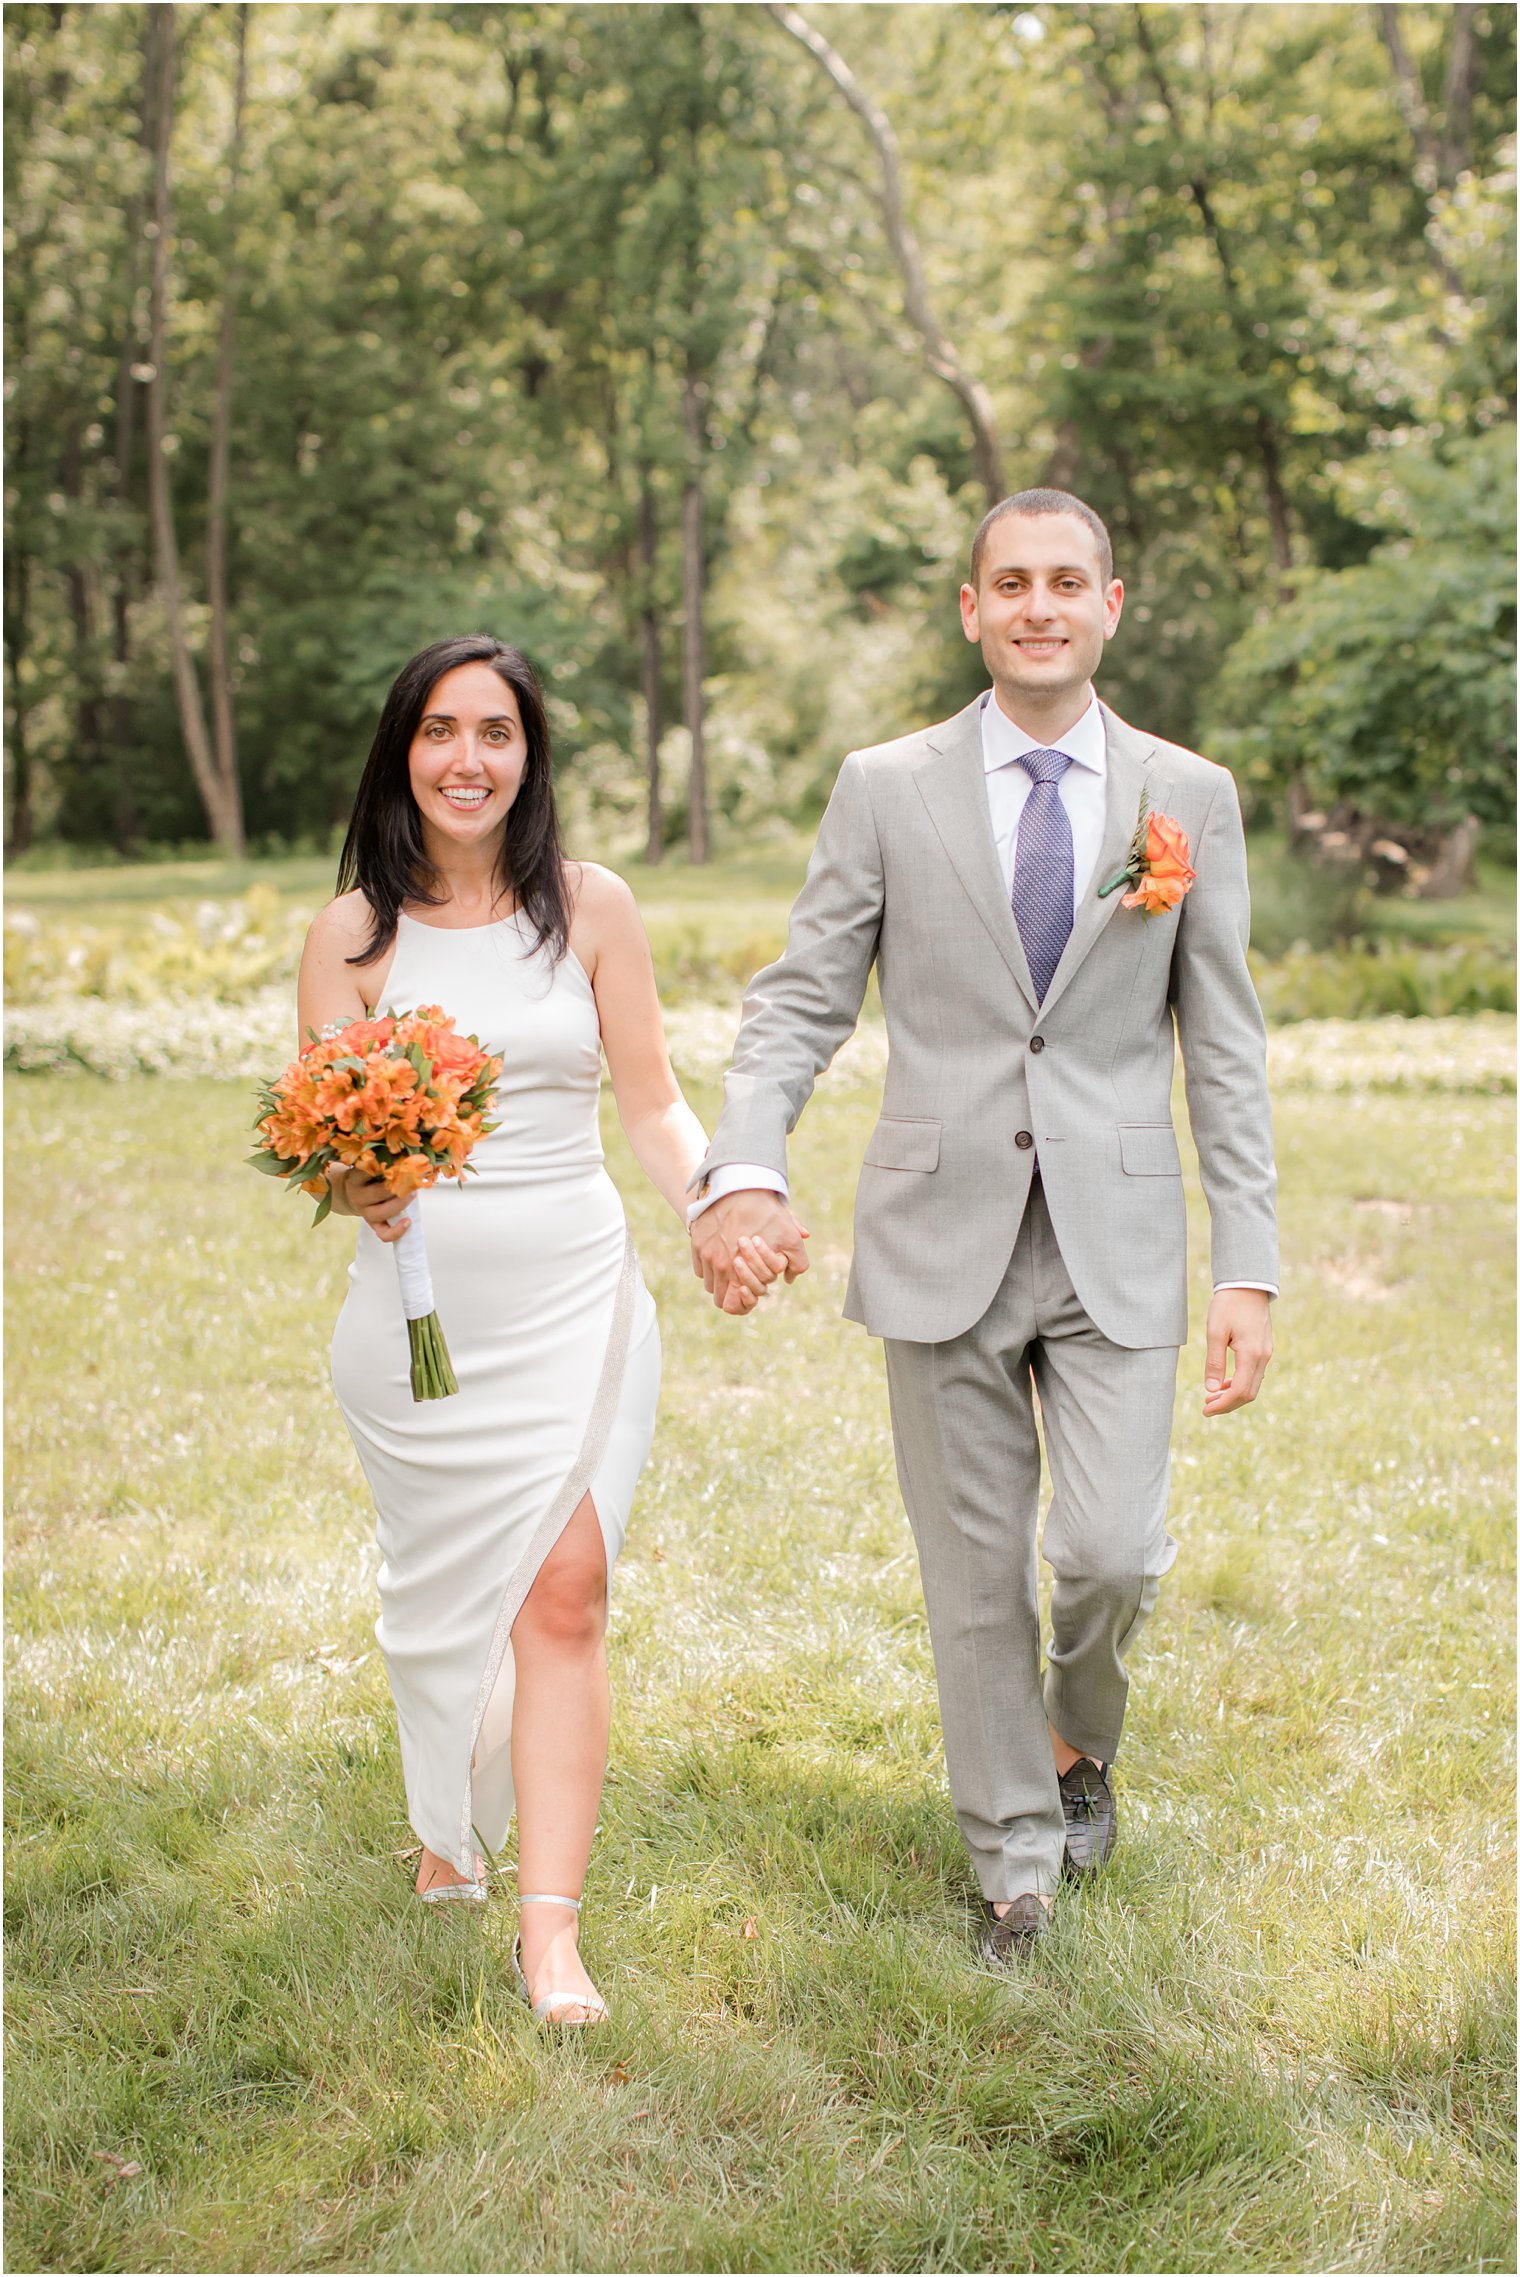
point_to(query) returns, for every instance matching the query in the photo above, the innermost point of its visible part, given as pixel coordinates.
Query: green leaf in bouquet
(272, 1165)
(323, 1208)
(315, 1162)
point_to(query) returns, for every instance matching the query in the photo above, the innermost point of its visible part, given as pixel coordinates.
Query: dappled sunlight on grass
(1277, 2034)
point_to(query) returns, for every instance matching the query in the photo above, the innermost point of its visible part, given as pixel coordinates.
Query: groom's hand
(1240, 1320)
(761, 1217)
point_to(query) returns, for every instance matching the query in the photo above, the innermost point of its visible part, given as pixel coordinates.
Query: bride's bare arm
(608, 937)
(330, 989)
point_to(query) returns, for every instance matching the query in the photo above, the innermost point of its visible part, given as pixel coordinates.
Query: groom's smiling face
(1041, 610)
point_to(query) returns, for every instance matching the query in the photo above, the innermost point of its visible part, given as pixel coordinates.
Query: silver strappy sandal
(473, 1893)
(543, 2008)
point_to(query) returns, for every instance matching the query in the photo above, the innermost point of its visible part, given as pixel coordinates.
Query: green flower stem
(432, 1371)
(1120, 877)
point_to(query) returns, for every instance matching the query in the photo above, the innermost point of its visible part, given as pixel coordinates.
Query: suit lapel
(1129, 778)
(952, 783)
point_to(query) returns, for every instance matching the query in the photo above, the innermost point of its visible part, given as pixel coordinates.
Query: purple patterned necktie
(1043, 870)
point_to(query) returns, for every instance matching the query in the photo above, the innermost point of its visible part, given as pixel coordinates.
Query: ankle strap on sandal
(534, 1897)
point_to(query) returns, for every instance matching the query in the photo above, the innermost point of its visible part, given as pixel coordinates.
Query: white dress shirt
(1083, 792)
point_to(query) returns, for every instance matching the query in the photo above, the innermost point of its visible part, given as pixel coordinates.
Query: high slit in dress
(554, 1342)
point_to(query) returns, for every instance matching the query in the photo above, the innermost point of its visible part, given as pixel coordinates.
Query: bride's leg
(559, 1742)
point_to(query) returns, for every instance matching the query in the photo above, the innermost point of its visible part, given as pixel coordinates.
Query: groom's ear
(970, 624)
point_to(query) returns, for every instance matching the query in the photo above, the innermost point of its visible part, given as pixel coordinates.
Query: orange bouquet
(402, 1098)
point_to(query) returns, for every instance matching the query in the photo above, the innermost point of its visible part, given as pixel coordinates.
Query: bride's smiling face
(467, 755)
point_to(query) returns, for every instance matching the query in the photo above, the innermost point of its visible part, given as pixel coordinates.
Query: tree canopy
(600, 328)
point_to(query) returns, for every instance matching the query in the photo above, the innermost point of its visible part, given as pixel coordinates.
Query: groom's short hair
(1043, 502)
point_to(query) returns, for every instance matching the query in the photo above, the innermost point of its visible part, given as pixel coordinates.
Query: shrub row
(231, 952)
(1388, 979)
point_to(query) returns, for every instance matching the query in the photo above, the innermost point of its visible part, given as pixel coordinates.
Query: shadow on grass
(219, 1974)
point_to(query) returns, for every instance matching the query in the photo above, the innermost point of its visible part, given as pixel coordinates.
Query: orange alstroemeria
(405, 1177)
(379, 1116)
(382, 1117)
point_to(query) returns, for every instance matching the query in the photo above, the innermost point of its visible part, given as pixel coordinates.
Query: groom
(1020, 1225)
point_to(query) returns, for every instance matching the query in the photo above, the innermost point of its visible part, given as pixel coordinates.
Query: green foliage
(1391, 685)
(1386, 978)
(225, 951)
(481, 255)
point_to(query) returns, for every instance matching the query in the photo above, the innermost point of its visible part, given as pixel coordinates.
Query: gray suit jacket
(905, 876)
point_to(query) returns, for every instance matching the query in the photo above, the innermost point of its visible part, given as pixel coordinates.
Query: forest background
(685, 345)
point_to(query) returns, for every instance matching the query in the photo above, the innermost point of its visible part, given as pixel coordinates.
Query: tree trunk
(127, 570)
(80, 584)
(1453, 870)
(223, 726)
(1279, 514)
(18, 584)
(1437, 161)
(693, 647)
(219, 796)
(1410, 97)
(940, 352)
(650, 661)
(1279, 521)
(1454, 155)
(694, 434)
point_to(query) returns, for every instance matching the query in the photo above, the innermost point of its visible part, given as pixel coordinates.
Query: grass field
(1278, 2036)
(744, 890)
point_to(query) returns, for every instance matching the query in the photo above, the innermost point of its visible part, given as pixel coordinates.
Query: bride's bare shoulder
(604, 917)
(341, 930)
(597, 892)
(347, 920)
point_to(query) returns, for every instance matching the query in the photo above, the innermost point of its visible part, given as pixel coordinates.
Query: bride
(501, 1510)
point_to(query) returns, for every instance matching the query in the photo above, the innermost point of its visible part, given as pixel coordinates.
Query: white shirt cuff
(1267, 1288)
(734, 1178)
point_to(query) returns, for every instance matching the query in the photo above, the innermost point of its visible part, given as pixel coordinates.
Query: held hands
(742, 1244)
(1239, 1319)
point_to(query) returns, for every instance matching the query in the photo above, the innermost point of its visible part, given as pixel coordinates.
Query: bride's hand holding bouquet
(370, 1113)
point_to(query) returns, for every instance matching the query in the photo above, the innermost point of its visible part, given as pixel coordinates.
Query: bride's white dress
(554, 1342)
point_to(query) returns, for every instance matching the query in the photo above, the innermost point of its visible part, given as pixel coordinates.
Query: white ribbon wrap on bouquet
(412, 1266)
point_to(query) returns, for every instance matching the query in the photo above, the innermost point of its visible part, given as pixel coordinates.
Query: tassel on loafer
(1091, 1815)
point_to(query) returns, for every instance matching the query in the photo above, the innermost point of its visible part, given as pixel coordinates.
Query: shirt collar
(1003, 741)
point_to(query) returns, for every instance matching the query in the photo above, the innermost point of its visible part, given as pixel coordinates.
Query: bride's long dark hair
(384, 855)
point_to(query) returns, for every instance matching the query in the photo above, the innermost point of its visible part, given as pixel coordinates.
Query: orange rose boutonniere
(1158, 868)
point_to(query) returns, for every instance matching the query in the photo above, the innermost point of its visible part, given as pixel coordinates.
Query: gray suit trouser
(968, 1460)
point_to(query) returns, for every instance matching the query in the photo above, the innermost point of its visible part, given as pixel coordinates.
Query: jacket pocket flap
(898, 1143)
(1149, 1150)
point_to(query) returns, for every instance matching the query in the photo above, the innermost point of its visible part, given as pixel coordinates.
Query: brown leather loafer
(1091, 1815)
(1008, 1938)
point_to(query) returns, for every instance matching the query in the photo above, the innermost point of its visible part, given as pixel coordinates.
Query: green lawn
(750, 890)
(768, 879)
(1278, 2036)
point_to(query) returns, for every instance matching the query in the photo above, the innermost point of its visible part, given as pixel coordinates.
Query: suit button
(1023, 1138)
(1037, 1043)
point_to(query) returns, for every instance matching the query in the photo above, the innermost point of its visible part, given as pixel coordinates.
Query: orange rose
(1168, 873)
